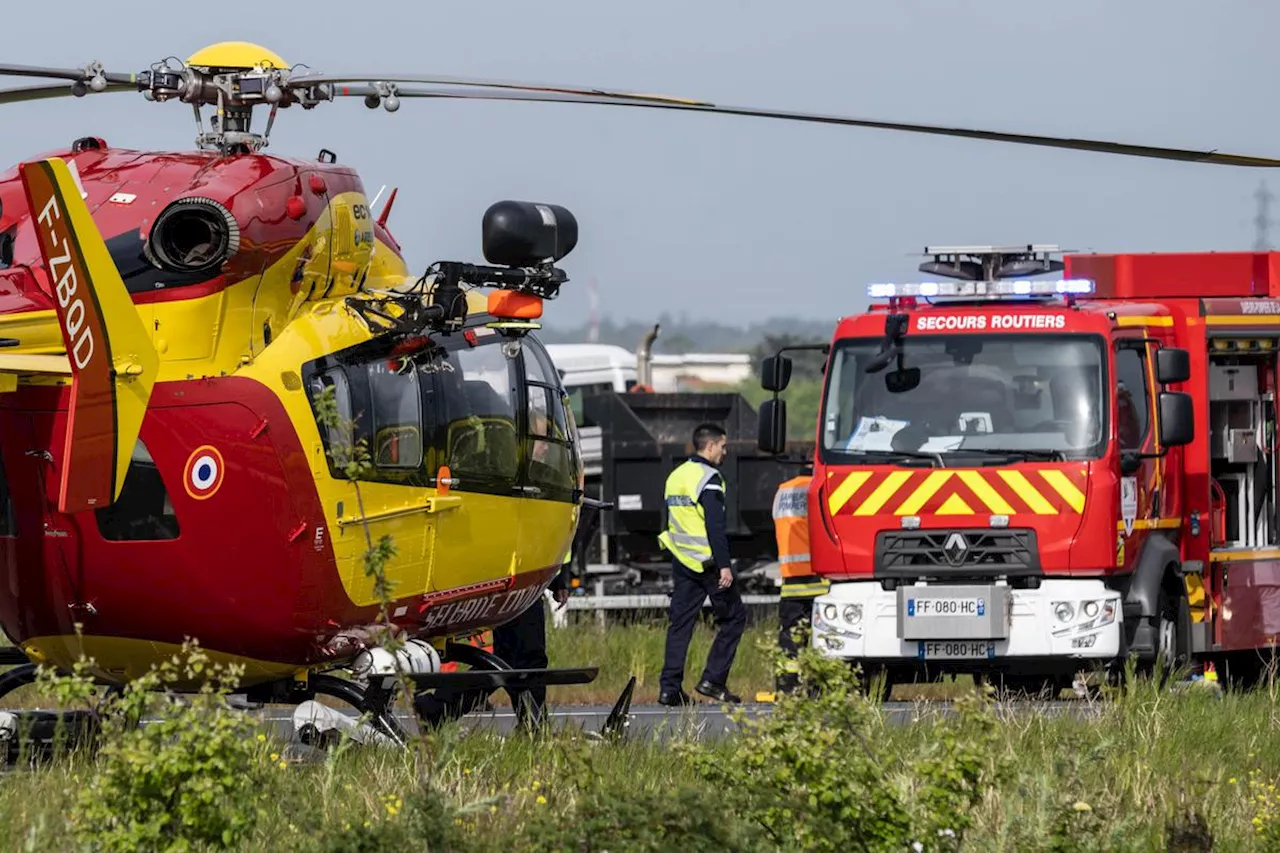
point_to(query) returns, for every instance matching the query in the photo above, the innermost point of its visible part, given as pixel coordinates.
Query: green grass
(636, 648)
(1130, 776)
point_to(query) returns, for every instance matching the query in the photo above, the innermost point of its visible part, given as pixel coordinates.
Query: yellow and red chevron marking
(957, 491)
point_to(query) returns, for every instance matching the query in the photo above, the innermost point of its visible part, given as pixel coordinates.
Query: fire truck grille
(949, 553)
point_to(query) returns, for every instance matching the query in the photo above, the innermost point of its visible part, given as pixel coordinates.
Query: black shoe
(675, 700)
(718, 692)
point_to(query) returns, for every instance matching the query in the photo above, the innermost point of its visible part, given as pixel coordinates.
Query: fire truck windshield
(1034, 396)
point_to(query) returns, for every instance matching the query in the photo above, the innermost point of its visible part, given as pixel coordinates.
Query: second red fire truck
(1025, 478)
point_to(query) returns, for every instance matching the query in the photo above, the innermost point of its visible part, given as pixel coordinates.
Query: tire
(1171, 630)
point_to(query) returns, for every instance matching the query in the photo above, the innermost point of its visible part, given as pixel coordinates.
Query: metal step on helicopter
(169, 321)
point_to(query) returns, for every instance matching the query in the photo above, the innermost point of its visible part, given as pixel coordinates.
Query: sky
(731, 218)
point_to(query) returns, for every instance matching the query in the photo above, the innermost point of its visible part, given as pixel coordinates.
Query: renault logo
(955, 548)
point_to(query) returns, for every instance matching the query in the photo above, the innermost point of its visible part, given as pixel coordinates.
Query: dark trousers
(522, 643)
(687, 594)
(792, 612)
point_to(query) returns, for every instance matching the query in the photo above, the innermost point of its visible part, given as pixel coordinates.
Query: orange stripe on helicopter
(964, 491)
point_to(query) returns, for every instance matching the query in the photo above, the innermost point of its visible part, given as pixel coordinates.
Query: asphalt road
(705, 720)
(702, 721)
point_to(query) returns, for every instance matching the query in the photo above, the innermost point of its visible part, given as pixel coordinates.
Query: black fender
(1142, 594)
(1158, 554)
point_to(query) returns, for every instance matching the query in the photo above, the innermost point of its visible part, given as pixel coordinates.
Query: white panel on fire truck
(990, 250)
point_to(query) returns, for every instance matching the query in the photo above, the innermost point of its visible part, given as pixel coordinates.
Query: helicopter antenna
(386, 211)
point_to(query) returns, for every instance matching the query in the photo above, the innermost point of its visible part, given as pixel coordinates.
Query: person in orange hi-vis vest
(800, 586)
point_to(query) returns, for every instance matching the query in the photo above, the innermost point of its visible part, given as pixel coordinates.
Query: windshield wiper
(1048, 455)
(899, 455)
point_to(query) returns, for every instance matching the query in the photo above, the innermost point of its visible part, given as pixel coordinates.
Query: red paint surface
(256, 188)
(1250, 614)
(91, 421)
(236, 576)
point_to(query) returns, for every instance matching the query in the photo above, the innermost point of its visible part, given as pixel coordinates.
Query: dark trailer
(644, 436)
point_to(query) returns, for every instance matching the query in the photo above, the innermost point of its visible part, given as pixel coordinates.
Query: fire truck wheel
(1171, 631)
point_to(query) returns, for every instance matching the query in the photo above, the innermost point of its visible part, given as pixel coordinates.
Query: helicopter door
(304, 272)
(552, 473)
(385, 405)
(472, 405)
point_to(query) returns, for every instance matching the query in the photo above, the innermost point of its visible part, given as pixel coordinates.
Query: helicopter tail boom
(109, 354)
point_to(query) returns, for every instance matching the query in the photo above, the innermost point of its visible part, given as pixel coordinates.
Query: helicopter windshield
(1020, 395)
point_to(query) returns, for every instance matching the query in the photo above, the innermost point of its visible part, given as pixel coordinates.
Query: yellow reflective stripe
(923, 492)
(846, 490)
(1144, 321)
(1062, 484)
(882, 493)
(804, 590)
(989, 496)
(1028, 493)
(955, 505)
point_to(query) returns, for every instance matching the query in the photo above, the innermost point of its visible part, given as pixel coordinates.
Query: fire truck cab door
(1143, 493)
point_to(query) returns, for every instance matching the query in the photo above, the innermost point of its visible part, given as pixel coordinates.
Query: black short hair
(704, 434)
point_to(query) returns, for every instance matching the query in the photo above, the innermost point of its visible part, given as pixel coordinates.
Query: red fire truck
(1025, 478)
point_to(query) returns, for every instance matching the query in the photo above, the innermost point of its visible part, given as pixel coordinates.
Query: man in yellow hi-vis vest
(800, 586)
(698, 539)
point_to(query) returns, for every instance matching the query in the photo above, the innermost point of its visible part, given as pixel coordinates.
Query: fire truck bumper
(967, 624)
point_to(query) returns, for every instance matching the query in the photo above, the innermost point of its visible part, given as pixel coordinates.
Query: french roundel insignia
(203, 474)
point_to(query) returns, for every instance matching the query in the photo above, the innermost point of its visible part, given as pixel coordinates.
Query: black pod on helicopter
(526, 234)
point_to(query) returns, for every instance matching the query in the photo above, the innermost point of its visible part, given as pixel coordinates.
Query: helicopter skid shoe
(321, 726)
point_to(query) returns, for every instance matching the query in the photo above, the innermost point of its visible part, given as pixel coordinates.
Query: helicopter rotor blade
(565, 95)
(337, 80)
(42, 93)
(75, 75)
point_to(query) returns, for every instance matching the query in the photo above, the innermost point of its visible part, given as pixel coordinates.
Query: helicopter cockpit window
(143, 512)
(397, 414)
(553, 459)
(475, 418)
(335, 382)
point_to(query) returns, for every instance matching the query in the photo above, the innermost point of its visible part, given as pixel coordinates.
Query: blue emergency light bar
(981, 289)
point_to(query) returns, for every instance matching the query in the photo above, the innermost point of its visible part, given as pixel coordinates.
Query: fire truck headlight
(1090, 609)
(1063, 610)
(829, 612)
(1108, 613)
(853, 613)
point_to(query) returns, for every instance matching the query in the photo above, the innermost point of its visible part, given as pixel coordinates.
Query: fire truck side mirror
(1172, 365)
(771, 435)
(1177, 419)
(775, 373)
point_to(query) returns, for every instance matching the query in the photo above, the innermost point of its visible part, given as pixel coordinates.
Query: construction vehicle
(1030, 479)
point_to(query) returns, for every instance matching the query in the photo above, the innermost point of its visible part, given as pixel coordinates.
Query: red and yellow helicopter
(168, 321)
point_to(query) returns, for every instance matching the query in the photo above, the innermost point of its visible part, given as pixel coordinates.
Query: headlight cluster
(1086, 615)
(851, 613)
(835, 620)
